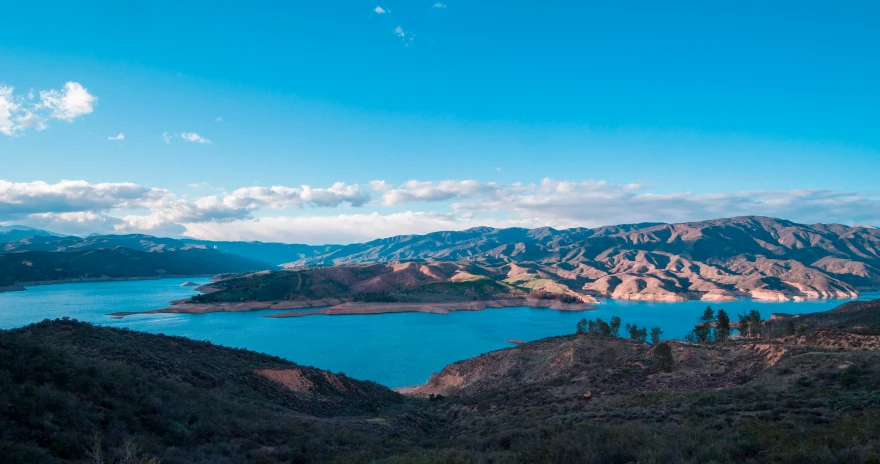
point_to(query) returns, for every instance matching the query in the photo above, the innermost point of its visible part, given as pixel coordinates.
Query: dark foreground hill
(65, 384)
(29, 267)
(69, 391)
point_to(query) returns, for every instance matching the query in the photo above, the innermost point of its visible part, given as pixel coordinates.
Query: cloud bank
(344, 213)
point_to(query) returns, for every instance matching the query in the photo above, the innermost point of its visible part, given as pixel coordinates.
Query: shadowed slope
(181, 400)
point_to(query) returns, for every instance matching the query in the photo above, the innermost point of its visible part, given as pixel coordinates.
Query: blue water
(392, 349)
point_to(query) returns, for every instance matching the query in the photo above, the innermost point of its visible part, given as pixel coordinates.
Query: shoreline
(337, 307)
(340, 307)
(347, 309)
(20, 287)
(734, 295)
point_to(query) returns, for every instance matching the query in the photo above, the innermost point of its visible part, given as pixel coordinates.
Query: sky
(344, 121)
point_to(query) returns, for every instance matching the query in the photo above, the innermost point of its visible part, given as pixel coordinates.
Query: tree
(755, 324)
(655, 335)
(702, 333)
(637, 334)
(789, 327)
(722, 326)
(597, 327)
(130, 454)
(94, 452)
(662, 355)
(744, 322)
(750, 324)
(708, 316)
(615, 326)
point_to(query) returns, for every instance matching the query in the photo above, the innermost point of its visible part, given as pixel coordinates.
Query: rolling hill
(40, 267)
(68, 389)
(272, 254)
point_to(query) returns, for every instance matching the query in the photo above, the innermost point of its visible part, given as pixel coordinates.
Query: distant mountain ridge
(15, 232)
(24, 268)
(269, 253)
(718, 259)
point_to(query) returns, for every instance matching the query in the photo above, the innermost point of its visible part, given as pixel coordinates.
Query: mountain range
(719, 259)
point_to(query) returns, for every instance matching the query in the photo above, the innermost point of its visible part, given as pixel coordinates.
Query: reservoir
(392, 349)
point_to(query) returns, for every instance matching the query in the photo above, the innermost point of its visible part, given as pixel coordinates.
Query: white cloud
(416, 191)
(406, 37)
(280, 197)
(379, 9)
(30, 120)
(9, 110)
(439, 5)
(193, 137)
(121, 136)
(379, 185)
(17, 199)
(78, 223)
(343, 228)
(284, 213)
(69, 103)
(166, 137)
(18, 114)
(151, 209)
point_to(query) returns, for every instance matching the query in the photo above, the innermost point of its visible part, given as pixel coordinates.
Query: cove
(392, 349)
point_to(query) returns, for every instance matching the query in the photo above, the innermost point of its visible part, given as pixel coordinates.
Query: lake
(392, 349)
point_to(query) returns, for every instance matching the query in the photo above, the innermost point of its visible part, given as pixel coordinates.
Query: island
(429, 287)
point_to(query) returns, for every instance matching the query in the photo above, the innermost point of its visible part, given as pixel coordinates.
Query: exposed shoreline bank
(336, 307)
(734, 295)
(435, 308)
(340, 307)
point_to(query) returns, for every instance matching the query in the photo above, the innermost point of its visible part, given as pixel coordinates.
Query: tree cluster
(600, 328)
(715, 327)
(751, 325)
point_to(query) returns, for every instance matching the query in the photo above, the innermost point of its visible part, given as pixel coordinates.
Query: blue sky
(721, 109)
